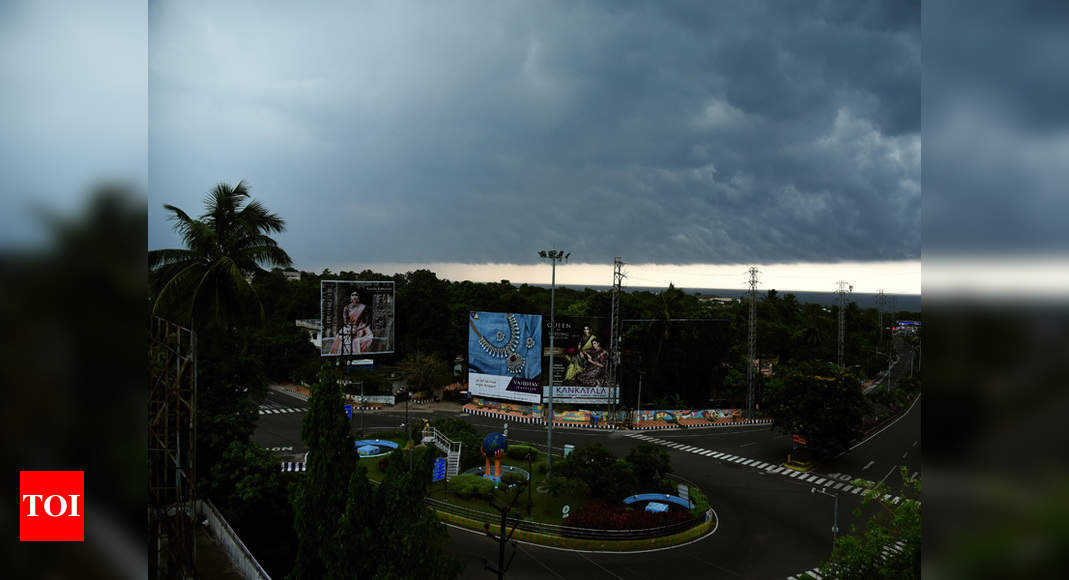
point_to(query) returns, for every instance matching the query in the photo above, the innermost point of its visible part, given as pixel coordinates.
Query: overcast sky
(397, 132)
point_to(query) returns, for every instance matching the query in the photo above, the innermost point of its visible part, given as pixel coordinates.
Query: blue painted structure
(656, 507)
(659, 497)
(374, 447)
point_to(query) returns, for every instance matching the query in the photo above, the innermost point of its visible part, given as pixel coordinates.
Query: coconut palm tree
(206, 283)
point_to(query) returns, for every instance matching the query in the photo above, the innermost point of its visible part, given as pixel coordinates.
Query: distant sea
(908, 302)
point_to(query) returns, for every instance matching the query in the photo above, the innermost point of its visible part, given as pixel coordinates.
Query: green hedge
(468, 485)
(521, 452)
(701, 503)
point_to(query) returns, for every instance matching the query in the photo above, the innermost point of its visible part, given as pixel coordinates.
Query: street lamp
(835, 522)
(553, 256)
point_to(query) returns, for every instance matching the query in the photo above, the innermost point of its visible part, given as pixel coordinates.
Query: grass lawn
(544, 507)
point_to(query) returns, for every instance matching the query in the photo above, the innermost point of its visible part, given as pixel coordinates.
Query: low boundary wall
(596, 545)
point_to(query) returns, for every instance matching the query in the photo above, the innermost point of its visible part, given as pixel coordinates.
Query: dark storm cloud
(671, 133)
(996, 127)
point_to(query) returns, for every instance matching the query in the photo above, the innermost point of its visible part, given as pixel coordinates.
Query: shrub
(469, 485)
(568, 486)
(701, 503)
(512, 478)
(522, 451)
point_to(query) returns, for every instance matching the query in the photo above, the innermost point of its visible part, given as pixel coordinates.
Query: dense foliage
(820, 403)
(866, 553)
(338, 526)
(691, 353)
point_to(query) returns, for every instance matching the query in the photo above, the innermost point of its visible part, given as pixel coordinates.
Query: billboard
(574, 394)
(581, 357)
(504, 356)
(356, 317)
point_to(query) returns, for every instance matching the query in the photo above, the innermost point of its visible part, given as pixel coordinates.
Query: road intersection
(770, 525)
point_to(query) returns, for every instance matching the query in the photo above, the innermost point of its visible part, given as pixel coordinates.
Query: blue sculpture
(494, 445)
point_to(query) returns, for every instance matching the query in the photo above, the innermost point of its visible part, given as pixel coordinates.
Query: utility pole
(835, 521)
(638, 403)
(616, 331)
(880, 301)
(553, 256)
(362, 405)
(751, 339)
(844, 289)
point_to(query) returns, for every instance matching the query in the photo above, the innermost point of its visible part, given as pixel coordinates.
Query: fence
(240, 556)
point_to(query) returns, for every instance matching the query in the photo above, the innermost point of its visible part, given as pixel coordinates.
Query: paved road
(770, 525)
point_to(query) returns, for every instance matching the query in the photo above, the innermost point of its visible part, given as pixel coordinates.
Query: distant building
(711, 299)
(292, 275)
(313, 328)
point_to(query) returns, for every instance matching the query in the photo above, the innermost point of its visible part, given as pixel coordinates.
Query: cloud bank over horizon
(693, 133)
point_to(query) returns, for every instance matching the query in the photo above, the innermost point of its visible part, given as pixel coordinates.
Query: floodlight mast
(553, 256)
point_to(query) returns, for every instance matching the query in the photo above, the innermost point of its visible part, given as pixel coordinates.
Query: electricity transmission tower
(880, 301)
(615, 330)
(751, 339)
(844, 289)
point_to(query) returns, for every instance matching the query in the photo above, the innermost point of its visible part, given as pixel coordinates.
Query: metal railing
(564, 531)
(240, 556)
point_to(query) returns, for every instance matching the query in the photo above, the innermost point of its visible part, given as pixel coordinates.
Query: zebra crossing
(838, 483)
(294, 466)
(888, 551)
(274, 410)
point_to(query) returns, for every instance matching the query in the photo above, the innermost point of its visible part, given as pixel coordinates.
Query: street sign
(684, 491)
(349, 412)
(439, 469)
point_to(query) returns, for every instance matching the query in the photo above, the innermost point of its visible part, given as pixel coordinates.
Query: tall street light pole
(553, 256)
(835, 521)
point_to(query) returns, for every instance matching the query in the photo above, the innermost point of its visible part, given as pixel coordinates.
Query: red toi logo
(51, 506)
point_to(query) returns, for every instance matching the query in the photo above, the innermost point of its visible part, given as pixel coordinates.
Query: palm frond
(162, 258)
(256, 216)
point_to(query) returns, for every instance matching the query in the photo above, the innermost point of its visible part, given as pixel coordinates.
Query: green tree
(470, 440)
(869, 553)
(405, 527)
(650, 464)
(205, 282)
(320, 499)
(598, 468)
(423, 371)
(819, 402)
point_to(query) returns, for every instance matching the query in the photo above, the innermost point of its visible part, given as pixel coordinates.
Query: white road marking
(718, 455)
(887, 427)
(748, 461)
(839, 485)
(915, 474)
(867, 465)
(793, 473)
(821, 481)
(858, 490)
